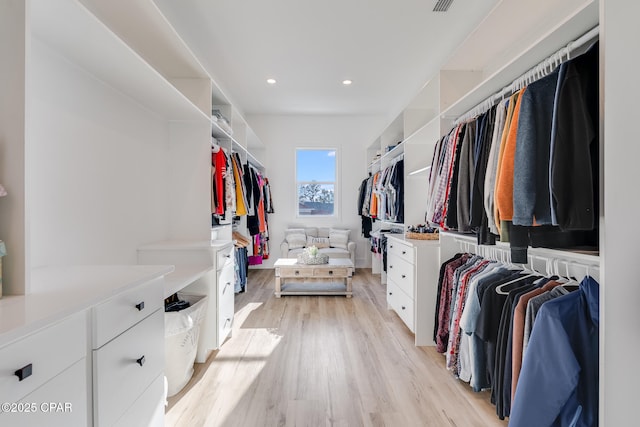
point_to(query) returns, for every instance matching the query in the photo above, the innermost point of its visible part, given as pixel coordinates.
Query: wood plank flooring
(324, 361)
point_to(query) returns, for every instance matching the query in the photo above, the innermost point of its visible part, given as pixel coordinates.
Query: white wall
(97, 168)
(620, 293)
(13, 227)
(281, 135)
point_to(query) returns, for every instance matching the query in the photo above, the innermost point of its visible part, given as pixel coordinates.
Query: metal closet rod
(533, 74)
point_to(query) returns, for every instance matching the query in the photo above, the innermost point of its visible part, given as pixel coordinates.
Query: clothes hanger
(499, 289)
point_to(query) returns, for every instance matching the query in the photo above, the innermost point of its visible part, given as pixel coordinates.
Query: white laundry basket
(181, 330)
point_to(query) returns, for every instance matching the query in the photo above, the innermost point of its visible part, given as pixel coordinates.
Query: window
(316, 182)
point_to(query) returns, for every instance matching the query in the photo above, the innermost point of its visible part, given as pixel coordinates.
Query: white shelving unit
(105, 135)
(480, 67)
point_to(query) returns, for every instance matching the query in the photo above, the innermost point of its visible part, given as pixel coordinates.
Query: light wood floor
(324, 361)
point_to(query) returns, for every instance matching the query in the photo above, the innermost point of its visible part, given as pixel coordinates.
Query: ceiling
(388, 48)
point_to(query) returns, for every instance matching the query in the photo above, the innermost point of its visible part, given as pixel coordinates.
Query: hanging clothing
(531, 204)
(516, 172)
(218, 169)
(575, 159)
(504, 182)
(492, 164)
(229, 183)
(558, 384)
(381, 195)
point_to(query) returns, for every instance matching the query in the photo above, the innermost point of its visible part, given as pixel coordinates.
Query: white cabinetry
(89, 351)
(412, 284)
(128, 351)
(44, 368)
(201, 268)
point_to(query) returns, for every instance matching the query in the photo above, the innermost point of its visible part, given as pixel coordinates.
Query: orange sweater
(504, 182)
(503, 138)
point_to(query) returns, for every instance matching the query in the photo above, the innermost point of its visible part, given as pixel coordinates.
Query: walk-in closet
(461, 249)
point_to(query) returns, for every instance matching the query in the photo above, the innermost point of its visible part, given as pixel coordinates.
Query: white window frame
(336, 191)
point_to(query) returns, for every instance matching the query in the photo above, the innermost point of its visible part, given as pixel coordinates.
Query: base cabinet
(215, 262)
(412, 284)
(125, 367)
(60, 402)
(63, 361)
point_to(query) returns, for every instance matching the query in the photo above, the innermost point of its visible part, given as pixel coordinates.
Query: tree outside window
(316, 182)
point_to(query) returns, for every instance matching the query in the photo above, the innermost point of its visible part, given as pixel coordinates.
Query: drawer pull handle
(297, 272)
(404, 252)
(226, 285)
(228, 255)
(391, 246)
(140, 361)
(403, 307)
(24, 372)
(403, 276)
(140, 306)
(330, 271)
(390, 293)
(391, 266)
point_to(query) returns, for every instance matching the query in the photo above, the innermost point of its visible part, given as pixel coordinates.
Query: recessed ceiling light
(346, 82)
(271, 81)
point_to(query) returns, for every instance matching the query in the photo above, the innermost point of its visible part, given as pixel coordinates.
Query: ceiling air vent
(442, 5)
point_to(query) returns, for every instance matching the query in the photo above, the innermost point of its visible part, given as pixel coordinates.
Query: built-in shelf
(250, 157)
(73, 32)
(392, 154)
(182, 276)
(220, 133)
(159, 44)
(424, 170)
(391, 223)
(570, 254)
(567, 30)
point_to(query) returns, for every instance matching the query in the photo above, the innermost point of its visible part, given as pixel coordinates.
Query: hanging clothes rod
(535, 73)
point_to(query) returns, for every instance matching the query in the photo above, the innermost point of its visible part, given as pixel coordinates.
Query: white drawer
(402, 273)
(226, 280)
(401, 304)
(224, 257)
(148, 410)
(48, 351)
(124, 310)
(226, 299)
(120, 374)
(62, 401)
(401, 249)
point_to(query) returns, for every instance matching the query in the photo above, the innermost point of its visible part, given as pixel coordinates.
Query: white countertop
(182, 276)
(170, 245)
(57, 292)
(413, 242)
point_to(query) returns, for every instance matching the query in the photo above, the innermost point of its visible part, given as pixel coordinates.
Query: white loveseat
(331, 241)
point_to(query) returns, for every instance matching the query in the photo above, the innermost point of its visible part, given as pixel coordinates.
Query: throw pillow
(339, 238)
(323, 232)
(295, 237)
(318, 242)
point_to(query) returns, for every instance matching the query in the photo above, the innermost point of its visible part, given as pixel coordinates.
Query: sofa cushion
(323, 232)
(318, 242)
(339, 238)
(335, 252)
(311, 231)
(295, 237)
